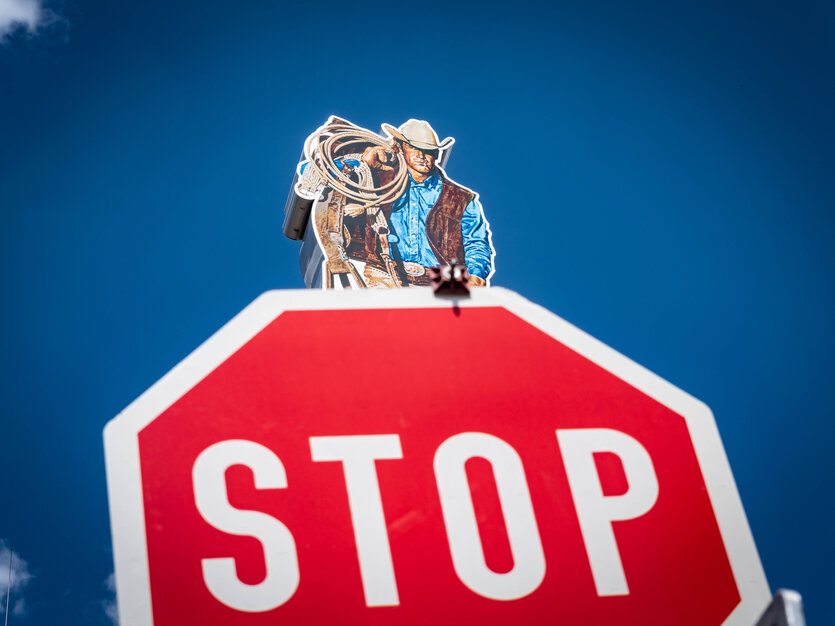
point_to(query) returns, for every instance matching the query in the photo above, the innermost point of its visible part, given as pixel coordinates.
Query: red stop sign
(396, 458)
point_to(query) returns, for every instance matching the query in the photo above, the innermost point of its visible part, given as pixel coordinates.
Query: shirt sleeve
(478, 251)
(339, 164)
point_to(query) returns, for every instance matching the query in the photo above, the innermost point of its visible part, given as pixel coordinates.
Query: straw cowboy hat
(419, 134)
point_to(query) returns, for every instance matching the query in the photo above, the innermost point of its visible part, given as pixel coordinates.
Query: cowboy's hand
(377, 157)
(477, 281)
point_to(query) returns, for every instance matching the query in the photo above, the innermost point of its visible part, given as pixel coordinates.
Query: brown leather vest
(443, 223)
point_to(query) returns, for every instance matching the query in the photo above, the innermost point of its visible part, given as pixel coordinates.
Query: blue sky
(659, 174)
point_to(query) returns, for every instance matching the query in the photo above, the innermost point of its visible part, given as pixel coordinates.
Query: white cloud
(108, 605)
(19, 14)
(29, 16)
(20, 609)
(21, 576)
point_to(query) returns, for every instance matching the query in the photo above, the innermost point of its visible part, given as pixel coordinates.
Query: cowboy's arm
(478, 252)
(340, 163)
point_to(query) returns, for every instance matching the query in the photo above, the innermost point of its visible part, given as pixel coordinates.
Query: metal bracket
(785, 609)
(450, 280)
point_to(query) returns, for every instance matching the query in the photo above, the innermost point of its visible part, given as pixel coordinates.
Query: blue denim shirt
(407, 221)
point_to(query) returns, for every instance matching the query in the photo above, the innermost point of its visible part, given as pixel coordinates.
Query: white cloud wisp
(28, 15)
(108, 605)
(21, 576)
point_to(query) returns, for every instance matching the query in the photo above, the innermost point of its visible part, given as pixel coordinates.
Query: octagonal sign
(397, 458)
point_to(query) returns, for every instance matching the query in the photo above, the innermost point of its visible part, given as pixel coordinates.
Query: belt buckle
(414, 269)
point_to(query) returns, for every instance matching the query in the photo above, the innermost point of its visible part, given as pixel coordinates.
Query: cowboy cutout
(385, 210)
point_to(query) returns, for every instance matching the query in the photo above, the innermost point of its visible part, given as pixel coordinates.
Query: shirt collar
(431, 182)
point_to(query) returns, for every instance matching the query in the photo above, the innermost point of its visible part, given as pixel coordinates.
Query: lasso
(322, 168)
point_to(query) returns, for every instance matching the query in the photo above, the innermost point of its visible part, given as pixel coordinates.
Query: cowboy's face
(418, 160)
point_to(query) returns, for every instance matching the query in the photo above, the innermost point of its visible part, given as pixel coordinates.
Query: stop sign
(397, 458)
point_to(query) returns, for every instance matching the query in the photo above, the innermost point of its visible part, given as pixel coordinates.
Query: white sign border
(121, 441)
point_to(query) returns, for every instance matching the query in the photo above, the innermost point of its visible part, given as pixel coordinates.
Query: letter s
(211, 497)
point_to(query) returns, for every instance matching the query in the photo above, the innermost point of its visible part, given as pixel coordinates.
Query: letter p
(595, 511)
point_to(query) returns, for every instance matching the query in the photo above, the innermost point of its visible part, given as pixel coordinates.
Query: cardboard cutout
(384, 210)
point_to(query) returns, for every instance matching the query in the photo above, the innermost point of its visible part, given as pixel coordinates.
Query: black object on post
(296, 213)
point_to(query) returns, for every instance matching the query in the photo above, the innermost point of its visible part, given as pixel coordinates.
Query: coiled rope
(319, 151)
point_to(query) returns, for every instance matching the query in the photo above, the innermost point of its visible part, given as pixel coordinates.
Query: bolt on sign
(389, 457)
(379, 211)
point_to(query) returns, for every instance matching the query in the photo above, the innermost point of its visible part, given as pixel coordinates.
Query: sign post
(391, 457)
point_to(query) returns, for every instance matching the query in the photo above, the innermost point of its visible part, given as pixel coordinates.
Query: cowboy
(435, 220)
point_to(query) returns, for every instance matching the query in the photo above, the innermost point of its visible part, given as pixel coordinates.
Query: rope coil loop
(319, 150)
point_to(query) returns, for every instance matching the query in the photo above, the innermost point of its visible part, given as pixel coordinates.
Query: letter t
(357, 454)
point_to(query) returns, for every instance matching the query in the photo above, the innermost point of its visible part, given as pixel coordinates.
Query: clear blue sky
(657, 173)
